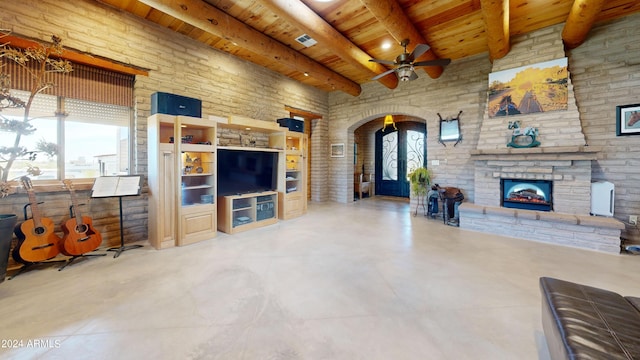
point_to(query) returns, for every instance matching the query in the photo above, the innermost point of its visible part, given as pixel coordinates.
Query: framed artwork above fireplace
(534, 88)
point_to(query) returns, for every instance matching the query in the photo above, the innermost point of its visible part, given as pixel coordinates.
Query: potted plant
(44, 59)
(420, 179)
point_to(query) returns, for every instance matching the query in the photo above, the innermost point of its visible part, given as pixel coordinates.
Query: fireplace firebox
(526, 194)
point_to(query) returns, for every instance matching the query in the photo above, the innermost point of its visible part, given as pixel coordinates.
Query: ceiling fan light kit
(406, 73)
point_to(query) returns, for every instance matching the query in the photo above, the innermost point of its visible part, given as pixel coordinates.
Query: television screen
(246, 171)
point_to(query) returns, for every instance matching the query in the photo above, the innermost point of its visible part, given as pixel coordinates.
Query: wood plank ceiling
(350, 32)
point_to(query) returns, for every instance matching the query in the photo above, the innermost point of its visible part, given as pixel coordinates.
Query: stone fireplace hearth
(569, 223)
(569, 168)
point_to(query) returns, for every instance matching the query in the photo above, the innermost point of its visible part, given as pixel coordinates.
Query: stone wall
(177, 64)
(462, 86)
(606, 73)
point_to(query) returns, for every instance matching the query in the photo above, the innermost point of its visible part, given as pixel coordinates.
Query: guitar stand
(119, 250)
(27, 266)
(73, 258)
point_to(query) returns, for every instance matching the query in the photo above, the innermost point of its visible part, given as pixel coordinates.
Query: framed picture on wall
(628, 119)
(534, 88)
(337, 150)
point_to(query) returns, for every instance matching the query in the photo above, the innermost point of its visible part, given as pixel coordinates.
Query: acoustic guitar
(37, 240)
(80, 237)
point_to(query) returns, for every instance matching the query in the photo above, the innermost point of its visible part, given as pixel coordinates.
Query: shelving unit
(248, 211)
(292, 181)
(182, 179)
(290, 199)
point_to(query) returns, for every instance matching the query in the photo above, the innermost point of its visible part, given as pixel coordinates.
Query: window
(91, 140)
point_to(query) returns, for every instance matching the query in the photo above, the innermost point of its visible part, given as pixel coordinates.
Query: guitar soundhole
(39, 230)
(82, 228)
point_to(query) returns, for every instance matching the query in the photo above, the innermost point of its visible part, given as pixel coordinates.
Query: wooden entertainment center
(184, 206)
(291, 184)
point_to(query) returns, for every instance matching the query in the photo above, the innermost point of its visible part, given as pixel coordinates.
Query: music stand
(118, 186)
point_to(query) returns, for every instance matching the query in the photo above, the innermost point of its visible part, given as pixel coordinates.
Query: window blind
(83, 83)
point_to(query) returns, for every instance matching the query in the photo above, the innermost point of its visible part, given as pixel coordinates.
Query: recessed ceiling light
(306, 73)
(386, 45)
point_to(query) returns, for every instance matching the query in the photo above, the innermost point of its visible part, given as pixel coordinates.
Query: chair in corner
(362, 184)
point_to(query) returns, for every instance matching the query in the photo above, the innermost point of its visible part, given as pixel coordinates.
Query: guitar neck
(35, 212)
(76, 210)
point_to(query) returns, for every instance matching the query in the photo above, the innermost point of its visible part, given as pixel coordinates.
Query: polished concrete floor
(364, 280)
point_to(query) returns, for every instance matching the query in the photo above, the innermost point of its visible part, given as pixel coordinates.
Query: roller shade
(83, 83)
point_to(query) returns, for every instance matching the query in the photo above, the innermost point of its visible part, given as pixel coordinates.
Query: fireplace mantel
(539, 153)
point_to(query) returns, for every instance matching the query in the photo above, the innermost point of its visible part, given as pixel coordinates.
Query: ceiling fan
(405, 65)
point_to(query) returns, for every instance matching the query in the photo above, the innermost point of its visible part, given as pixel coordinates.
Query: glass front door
(398, 153)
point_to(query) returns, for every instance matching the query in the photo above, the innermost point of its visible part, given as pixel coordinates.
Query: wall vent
(306, 40)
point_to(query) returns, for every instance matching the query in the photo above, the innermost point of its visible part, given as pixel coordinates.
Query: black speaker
(171, 104)
(292, 124)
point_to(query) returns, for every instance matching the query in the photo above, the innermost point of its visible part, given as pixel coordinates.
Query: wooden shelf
(244, 212)
(292, 178)
(177, 214)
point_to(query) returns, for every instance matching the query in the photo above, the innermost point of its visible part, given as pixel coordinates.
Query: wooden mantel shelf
(539, 153)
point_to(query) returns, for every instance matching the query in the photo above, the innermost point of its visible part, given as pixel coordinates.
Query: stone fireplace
(569, 168)
(562, 159)
(567, 222)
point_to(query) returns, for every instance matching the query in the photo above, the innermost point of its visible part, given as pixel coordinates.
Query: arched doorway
(398, 152)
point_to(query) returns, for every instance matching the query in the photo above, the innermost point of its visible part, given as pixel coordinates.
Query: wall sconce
(388, 120)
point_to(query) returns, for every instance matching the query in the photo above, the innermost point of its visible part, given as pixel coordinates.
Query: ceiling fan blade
(418, 51)
(386, 62)
(383, 74)
(437, 62)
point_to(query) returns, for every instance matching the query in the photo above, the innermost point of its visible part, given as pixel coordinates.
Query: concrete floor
(364, 280)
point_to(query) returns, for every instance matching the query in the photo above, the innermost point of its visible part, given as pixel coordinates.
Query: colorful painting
(529, 89)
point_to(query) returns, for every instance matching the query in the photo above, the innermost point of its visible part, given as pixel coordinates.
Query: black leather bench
(584, 322)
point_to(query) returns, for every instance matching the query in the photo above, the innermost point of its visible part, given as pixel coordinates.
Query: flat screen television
(246, 171)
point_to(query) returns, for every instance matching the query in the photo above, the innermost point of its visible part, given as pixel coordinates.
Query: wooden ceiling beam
(298, 14)
(392, 17)
(581, 18)
(208, 18)
(496, 22)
